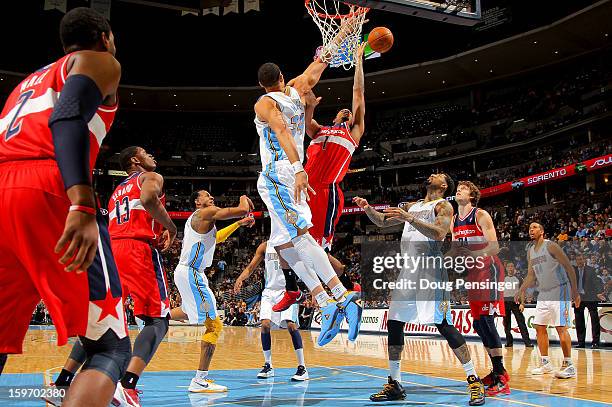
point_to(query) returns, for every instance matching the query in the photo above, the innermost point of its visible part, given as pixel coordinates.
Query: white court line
(431, 386)
(528, 391)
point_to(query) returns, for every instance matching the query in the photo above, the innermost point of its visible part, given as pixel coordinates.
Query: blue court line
(329, 386)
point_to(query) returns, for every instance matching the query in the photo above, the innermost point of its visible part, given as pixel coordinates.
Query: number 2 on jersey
(126, 216)
(14, 126)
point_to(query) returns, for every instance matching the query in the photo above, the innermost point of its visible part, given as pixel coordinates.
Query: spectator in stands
(514, 308)
(306, 310)
(589, 286)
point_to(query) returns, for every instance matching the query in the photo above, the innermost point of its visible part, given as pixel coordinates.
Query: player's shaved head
(82, 28)
(538, 225)
(268, 75)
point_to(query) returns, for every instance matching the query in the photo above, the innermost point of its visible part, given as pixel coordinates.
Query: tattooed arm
(379, 218)
(434, 231)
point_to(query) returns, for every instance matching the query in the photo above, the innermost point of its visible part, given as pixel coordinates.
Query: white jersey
(548, 271)
(198, 249)
(275, 279)
(290, 105)
(412, 239)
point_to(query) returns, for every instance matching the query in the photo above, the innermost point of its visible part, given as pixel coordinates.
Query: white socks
(299, 353)
(314, 257)
(201, 374)
(545, 359)
(469, 369)
(338, 291)
(268, 356)
(322, 299)
(395, 369)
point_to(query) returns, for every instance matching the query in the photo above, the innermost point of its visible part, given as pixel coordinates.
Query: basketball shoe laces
(387, 389)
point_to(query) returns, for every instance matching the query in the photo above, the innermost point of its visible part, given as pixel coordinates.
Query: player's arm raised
(226, 232)
(555, 250)
(92, 77)
(215, 213)
(267, 111)
(312, 101)
(358, 96)
(436, 230)
(251, 267)
(152, 185)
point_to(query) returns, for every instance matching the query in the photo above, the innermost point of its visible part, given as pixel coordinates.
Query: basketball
(380, 39)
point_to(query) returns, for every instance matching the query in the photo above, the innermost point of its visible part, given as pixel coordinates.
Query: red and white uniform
(134, 236)
(33, 210)
(467, 232)
(329, 156)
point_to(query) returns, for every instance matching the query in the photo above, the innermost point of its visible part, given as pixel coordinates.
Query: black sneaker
(266, 372)
(391, 391)
(476, 390)
(300, 375)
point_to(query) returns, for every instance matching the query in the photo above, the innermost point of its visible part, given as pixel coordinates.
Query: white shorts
(425, 307)
(554, 307)
(280, 319)
(198, 300)
(276, 188)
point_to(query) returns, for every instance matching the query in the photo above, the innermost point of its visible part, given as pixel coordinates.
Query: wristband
(297, 167)
(82, 208)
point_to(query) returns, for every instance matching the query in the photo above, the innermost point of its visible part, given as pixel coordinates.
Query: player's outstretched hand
(81, 231)
(398, 213)
(166, 240)
(311, 99)
(248, 221)
(238, 285)
(360, 202)
(359, 52)
(301, 185)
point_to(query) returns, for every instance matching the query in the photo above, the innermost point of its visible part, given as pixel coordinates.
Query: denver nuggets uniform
(198, 300)
(276, 181)
(34, 209)
(426, 307)
(554, 297)
(273, 292)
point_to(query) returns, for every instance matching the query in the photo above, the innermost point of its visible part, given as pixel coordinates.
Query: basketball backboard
(462, 12)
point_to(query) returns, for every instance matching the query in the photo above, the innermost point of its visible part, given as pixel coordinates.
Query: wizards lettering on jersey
(121, 191)
(329, 154)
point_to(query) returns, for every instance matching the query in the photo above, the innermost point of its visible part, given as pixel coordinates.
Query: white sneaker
(300, 375)
(205, 386)
(566, 372)
(122, 397)
(543, 369)
(266, 371)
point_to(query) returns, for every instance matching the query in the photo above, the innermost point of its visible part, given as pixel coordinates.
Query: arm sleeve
(226, 232)
(77, 104)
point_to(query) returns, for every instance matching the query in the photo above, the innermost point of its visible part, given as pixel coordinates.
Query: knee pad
(147, 341)
(451, 334)
(213, 330)
(109, 354)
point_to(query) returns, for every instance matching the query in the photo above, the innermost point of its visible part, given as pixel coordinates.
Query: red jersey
(24, 129)
(128, 219)
(329, 154)
(467, 231)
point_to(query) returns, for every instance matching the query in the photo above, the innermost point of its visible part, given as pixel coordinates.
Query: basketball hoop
(340, 25)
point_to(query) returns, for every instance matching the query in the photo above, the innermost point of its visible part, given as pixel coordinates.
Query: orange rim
(359, 11)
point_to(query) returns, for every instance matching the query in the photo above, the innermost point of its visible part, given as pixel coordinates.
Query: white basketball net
(340, 25)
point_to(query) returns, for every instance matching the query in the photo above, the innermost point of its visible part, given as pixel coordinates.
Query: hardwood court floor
(353, 370)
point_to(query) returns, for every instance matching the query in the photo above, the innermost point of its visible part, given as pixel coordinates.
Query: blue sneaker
(331, 319)
(352, 311)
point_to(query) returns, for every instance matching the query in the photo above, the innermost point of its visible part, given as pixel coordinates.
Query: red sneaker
(499, 388)
(289, 298)
(489, 379)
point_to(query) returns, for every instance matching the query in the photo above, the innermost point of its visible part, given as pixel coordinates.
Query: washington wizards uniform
(467, 232)
(277, 179)
(329, 156)
(33, 210)
(134, 236)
